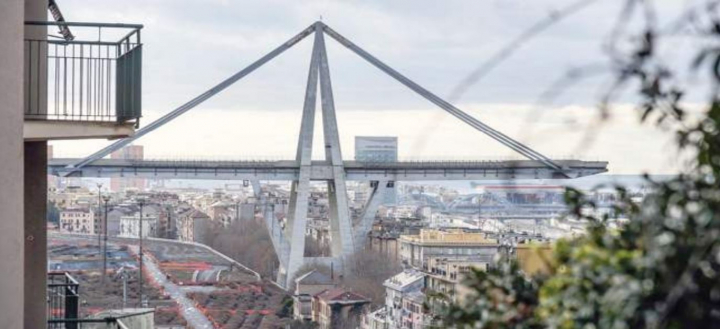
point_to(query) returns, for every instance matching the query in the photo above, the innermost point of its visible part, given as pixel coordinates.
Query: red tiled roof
(340, 295)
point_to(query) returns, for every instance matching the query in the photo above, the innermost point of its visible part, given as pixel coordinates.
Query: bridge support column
(340, 224)
(297, 242)
(300, 190)
(364, 223)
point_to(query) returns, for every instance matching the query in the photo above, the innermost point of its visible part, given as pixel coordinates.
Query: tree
(247, 242)
(661, 267)
(368, 269)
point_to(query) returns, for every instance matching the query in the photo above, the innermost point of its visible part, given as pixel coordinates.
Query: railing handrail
(108, 319)
(86, 24)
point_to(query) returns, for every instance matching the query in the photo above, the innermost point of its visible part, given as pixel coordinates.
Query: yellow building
(455, 244)
(534, 258)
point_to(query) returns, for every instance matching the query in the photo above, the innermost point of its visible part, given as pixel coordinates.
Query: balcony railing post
(71, 305)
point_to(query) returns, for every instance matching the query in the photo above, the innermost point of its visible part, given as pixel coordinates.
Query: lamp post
(141, 203)
(106, 198)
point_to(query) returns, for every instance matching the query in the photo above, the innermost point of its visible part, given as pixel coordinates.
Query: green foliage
(501, 297)
(654, 264)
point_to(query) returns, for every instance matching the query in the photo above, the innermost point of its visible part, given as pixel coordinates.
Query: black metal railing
(90, 76)
(63, 295)
(109, 322)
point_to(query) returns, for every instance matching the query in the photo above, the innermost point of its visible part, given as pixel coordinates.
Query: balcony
(63, 296)
(85, 82)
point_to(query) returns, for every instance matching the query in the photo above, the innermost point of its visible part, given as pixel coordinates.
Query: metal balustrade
(63, 297)
(83, 76)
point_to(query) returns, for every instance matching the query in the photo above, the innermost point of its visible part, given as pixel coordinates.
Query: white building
(307, 286)
(413, 316)
(376, 320)
(396, 289)
(77, 220)
(130, 225)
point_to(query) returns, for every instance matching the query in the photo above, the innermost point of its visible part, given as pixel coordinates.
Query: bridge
(347, 235)
(289, 170)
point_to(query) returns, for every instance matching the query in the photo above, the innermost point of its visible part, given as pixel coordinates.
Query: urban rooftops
(448, 237)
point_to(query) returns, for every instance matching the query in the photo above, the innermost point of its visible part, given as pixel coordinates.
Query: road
(192, 315)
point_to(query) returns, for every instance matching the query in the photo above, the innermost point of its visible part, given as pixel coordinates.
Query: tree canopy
(659, 265)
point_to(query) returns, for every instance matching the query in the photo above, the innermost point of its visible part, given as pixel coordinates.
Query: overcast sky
(190, 45)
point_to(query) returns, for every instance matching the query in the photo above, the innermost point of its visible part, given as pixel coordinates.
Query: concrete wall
(35, 210)
(35, 184)
(11, 163)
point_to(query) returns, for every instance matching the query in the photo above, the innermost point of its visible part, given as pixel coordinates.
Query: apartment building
(450, 244)
(306, 286)
(130, 226)
(339, 308)
(444, 276)
(413, 315)
(396, 289)
(192, 225)
(32, 114)
(78, 220)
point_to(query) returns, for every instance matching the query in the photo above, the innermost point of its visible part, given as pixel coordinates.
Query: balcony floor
(42, 130)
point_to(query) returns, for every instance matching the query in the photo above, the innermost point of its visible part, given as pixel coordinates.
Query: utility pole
(106, 198)
(141, 203)
(237, 210)
(99, 229)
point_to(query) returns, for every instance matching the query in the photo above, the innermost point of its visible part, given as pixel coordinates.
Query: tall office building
(376, 149)
(131, 152)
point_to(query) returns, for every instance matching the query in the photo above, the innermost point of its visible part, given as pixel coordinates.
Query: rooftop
(340, 295)
(448, 237)
(404, 278)
(416, 297)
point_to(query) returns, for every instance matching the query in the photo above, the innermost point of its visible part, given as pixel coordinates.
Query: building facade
(375, 149)
(396, 289)
(130, 226)
(192, 225)
(453, 244)
(306, 286)
(339, 308)
(78, 220)
(130, 152)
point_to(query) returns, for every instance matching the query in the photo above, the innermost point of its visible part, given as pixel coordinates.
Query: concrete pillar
(340, 226)
(35, 234)
(297, 219)
(11, 164)
(35, 171)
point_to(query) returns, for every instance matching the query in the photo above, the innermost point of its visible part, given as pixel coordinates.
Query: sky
(191, 45)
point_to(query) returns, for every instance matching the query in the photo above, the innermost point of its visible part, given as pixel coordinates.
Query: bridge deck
(322, 170)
